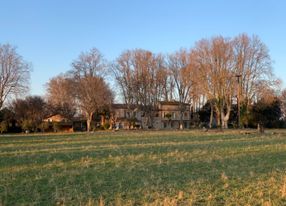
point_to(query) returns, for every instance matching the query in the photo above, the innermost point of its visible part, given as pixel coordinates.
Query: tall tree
(123, 71)
(94, 96)
(215, 65)
(220, 61)
(61, 96)
(254, 65)
(29, 112)
(144, 83)
(181, 72)
(14, 73)
(142, 78)
(92, 92)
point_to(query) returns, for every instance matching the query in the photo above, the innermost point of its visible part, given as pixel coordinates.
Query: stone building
(167, 115)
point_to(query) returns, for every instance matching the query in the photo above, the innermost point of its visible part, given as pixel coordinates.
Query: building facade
(167, 115)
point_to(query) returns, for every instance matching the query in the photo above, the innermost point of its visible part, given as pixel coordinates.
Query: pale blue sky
(52, 33)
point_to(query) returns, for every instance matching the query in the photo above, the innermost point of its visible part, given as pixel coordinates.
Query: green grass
(144, 168)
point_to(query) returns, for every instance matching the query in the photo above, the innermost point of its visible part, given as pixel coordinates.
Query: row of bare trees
(238, 67)
(217, 70)
(83, 89)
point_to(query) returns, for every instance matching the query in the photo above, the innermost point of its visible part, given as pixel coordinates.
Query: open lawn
(137, 168)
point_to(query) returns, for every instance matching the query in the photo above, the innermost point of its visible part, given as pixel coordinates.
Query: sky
(50, 34)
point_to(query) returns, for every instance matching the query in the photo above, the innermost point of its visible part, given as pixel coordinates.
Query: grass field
(144, 168)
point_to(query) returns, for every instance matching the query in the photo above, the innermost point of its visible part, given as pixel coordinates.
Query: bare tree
(94, 96)
(61, 95)
(220, 61)
(14, 73)
(181, 72)
(89, 63)
(92, 92)
(123, 71)
(215, 65)
(143, 80)
(254, 65)
(147, 79)
(166, 83)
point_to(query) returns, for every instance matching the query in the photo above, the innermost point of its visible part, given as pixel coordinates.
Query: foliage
(56, 127)
(245, 114)
(204, 113)
(168, 115)
(29, 112)
(4, 126)
(267, 113)
(44, 126)
(6, 120)
(132, 122)
(106, 126)
(27, 125)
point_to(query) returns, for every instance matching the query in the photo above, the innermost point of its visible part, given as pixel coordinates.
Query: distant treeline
(227, 82)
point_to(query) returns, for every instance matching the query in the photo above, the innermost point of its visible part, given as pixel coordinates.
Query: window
(167, 115)
(186, 124)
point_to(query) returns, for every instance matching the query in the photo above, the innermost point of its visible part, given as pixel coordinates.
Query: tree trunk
(181, 126)
(211, 116)
(260, 128)
(150, 120)
(218, 118)
(88, 121)
(223, 124)
(1, 104)
(247, 113)
(225, 117)
(102, 120)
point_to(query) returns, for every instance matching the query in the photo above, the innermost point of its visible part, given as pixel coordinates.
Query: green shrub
(44, 126)
(27, 125)
(56, 126)
(106, 125)
(3, 126)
